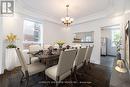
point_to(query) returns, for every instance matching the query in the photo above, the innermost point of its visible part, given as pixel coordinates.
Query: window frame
(112, 36)
(40, 42)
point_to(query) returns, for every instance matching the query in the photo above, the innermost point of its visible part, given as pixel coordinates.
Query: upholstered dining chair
(28, 70)
(64, 67)
(83, 56)
(78, 62)
(88, 55)
(34, 48)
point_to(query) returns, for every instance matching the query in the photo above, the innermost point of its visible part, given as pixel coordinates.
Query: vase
(11, 59)
(60, 46)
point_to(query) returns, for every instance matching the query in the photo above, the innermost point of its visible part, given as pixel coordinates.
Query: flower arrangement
(60, 43)
(11, 38)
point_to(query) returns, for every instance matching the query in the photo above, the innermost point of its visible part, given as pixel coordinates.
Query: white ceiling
(56, 9)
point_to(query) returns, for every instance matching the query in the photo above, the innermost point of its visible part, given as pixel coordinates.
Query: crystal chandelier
(67, 20)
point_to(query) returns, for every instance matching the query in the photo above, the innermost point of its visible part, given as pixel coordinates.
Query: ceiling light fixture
(67, 20)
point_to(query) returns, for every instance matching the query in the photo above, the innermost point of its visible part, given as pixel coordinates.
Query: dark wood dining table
(47, 59)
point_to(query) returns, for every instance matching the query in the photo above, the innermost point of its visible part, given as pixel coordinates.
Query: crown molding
(99, 15)
(114, 10)
(21, 9)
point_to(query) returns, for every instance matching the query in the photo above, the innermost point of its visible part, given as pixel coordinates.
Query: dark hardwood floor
(99, 75)
(107, 61)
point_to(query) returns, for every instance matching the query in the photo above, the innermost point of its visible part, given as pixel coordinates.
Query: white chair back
(21, 60)
(34, 48)
(88, 53)
(66, 60)
(80, 57)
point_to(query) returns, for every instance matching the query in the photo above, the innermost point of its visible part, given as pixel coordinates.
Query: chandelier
(67, 20)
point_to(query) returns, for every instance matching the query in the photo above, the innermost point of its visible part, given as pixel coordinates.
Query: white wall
(13, 24)
(1, 41)
(96, 27)
(52, 32)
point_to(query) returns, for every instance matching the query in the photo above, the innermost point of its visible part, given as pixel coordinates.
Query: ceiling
(56, 9)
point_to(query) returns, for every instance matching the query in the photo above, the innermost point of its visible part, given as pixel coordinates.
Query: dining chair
(83, 56)
(46, 46)
(28, 70)
(87, 62)
(78, 62)
(88, 55)
(34, 48)
(64, 67)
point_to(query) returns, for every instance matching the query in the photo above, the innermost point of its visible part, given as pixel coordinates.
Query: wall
(13, 24)
(1, 29)
(52, 32)
(96, 27)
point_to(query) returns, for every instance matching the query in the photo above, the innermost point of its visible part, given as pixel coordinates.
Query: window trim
(41, 31)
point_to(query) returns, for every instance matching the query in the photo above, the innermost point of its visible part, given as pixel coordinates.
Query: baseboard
(111, 55)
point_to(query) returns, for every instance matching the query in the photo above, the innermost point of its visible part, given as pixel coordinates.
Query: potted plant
(117, 42)
(11, 57)
(60, 43)
(11, 38)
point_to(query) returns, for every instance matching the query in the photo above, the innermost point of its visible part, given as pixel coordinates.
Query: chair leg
(27, 81)
(75, 76)
(57, 84)
(27, 78)
(71, 78)
(46, 79)
(89, 67)
(21, 80)
(57, 81)
(75, 73)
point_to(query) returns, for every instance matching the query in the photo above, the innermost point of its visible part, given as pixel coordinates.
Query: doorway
(109, 36)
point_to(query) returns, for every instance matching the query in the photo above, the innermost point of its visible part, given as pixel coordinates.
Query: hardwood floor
(99, 76)
(107, 61)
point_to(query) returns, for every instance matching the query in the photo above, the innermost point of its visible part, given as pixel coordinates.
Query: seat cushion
(52, 73)
(35, 68)
(34, 59)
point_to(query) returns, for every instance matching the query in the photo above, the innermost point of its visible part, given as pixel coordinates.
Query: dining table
(46, 58)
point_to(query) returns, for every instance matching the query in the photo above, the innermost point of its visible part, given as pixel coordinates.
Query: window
(32, 33)
(116, 37)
